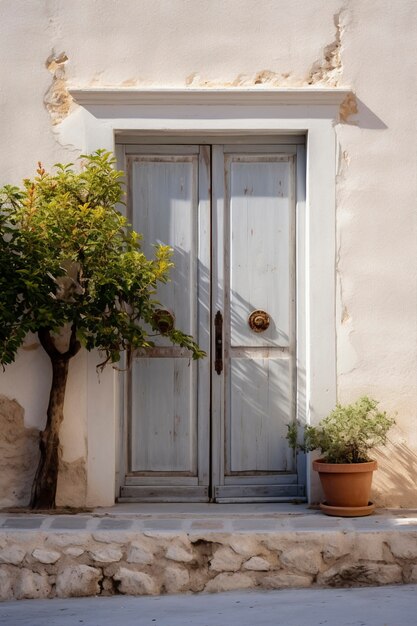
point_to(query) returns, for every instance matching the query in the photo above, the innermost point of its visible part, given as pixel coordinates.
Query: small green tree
(71, 266)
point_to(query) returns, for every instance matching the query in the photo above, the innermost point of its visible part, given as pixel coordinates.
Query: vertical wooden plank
(164, 208)
(204, 314)
(218, 304)
(261, 399)
(162, 430)
(164, 190)
(260, 264)
(260, 248)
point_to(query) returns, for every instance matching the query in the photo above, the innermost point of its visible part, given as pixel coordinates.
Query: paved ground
(380, 606)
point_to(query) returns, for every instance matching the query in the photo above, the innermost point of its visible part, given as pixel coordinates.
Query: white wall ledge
(231, 96)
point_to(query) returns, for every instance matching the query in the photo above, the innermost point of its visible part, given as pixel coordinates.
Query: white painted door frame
(105, 113)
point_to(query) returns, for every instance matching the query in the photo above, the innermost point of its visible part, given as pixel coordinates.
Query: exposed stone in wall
(135, 583)
(57, 99)
(262, 77)
(77, 580)
(41, 564)
(348, 107)
(328, 70)
(18, 454)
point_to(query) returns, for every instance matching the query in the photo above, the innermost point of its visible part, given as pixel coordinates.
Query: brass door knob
(259, 321)
(164, 320)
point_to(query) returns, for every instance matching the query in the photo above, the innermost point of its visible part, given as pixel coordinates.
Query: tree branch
(48, 344)
(74, 344)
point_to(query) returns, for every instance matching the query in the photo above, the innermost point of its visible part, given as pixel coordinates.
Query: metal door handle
(218, 343)
(259, 321)
(164, 320)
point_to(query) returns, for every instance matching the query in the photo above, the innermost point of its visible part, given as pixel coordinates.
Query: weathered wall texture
(366, 45)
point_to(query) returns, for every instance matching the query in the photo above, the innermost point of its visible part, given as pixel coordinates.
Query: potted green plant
(344, 439)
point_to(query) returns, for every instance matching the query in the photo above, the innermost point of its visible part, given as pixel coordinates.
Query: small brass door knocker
(259, 321)
(164, 320)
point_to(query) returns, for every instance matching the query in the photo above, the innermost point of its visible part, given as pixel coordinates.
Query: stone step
(147, 554)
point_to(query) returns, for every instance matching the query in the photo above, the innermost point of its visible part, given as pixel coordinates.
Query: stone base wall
(71, 564)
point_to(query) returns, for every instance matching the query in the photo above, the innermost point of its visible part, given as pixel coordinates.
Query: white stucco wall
(365, 45)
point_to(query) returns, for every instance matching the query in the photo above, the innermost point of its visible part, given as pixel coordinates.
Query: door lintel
(94, 96)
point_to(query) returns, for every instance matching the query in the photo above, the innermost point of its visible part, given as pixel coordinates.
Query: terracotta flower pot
(346, 486)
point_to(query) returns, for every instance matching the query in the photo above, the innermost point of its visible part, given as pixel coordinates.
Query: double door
(215, 429)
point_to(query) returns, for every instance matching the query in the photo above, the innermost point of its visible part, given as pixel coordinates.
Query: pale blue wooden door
(254, 290)
(169, 393)
(200, 431)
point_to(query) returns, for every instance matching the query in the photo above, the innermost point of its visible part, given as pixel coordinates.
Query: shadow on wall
(366, 118)
(394, 484)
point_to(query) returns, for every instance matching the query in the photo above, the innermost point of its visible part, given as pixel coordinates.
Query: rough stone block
(13, 554)
(107, 587)
(107, 554)
(257, 564)
(179, 552)
(369, 547)
(74, 551)
(302, 559)
(350, 574)
(285, 580)
(245, 545)
(77, 581)
(139, 552)
(277, 542)
(115, 536)
(225, 560)
(413, 575)
(336, 546)
(6, 577)
(29, 584)
(403, 546)
(229, 582)
(176, 579)
(136, 583)
(46, 556)
(198, 578)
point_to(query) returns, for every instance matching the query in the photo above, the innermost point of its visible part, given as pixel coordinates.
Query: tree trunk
(46, 477)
